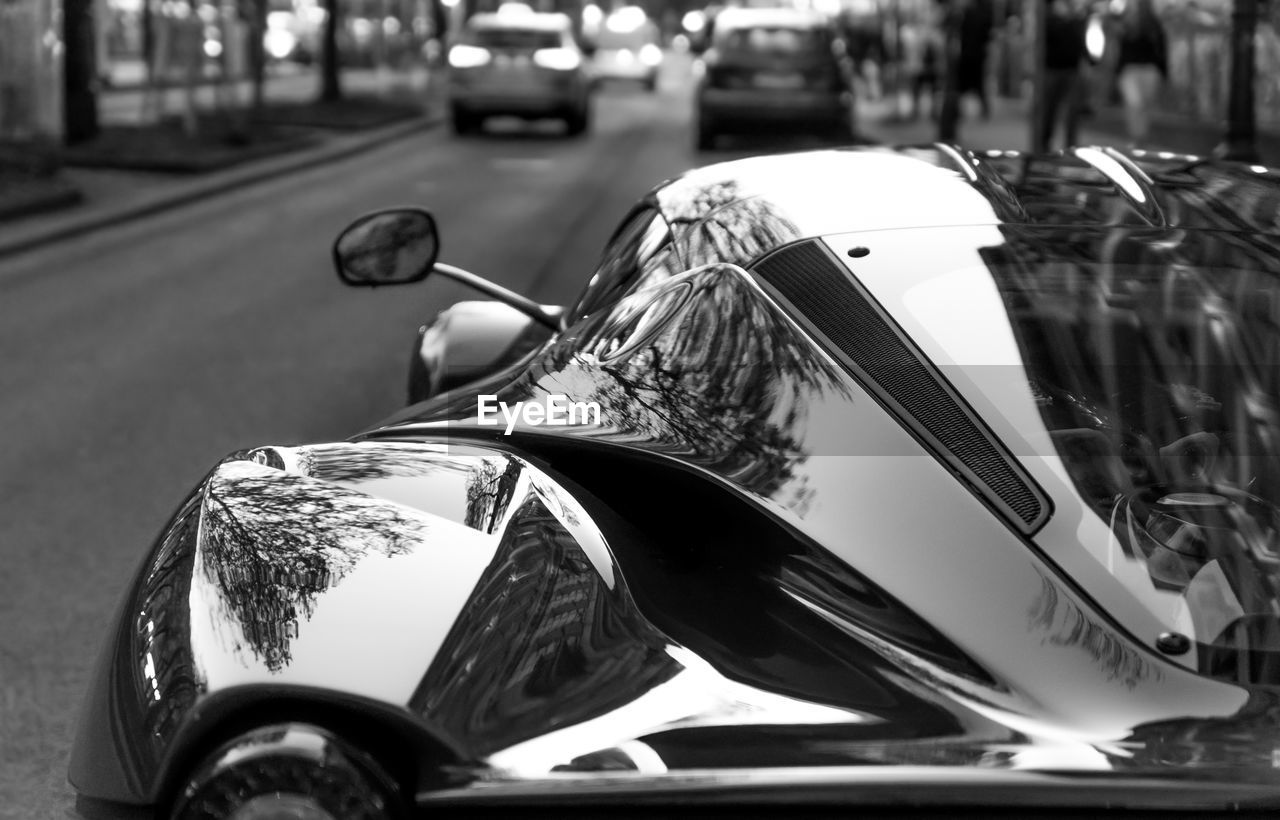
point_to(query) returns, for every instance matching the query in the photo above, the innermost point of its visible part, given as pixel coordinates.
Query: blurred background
(173, 171)
(60, 60)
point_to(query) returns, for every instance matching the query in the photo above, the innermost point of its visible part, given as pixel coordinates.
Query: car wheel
(578, 121)
(845, 130)
(842, 132)
(651, 84)
(294, 770)
(464, 122)
(706, 136)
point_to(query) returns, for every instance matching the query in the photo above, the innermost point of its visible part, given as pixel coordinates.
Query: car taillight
(650, 54)
(557, 59)
(464, 56)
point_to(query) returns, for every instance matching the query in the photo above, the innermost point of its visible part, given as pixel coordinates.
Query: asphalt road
(135, 358)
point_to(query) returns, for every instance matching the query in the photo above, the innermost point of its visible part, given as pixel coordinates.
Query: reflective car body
(875, 511)
(773, 68)
(517, 62)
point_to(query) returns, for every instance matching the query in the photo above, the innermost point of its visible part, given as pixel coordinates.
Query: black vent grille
(833, 305)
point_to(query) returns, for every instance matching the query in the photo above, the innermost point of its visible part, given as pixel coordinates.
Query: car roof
(787, 197)
(520, 17)
(769, 17)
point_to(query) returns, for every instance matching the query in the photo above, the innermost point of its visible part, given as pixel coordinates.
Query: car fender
(328, 580)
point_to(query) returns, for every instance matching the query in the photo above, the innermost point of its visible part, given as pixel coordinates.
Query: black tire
(578, 121)
(464, 122)
(651, 84)
(261, 769)
(705, 138)
(842, 133)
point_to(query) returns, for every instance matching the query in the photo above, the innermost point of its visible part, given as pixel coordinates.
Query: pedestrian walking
(1142, 65)
(966, 28)
(921, 56)
(976, 22)
(1065, 55)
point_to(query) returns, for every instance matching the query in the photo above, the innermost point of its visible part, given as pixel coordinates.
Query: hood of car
(740, 210)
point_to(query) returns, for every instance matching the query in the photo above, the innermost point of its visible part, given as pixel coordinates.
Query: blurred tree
(1240, 141)
(330, 77)
(254, 13)
(80, 101)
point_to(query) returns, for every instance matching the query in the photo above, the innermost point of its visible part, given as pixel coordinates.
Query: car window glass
(776, 40)
(515, 38)
(634, 254)
(625, 39)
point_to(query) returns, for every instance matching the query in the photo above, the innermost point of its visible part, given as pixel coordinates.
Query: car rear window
(625, 39)
(779, 40)
(514, 38)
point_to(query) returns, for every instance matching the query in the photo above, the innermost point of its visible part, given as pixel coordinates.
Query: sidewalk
(1009, 129)
(111, 197)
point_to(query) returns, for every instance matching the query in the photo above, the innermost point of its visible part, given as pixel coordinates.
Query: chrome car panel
(747, 577)
(822, 459)
(297, 569)
(525, 652)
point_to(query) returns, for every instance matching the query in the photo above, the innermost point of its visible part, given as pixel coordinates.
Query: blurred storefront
(1200, 61)
(213, 33)
(1199, 52)
(30, 70)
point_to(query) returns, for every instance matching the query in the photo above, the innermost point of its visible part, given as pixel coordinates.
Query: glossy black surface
(747, 569)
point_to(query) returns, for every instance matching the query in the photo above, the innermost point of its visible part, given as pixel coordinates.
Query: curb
(241, 176)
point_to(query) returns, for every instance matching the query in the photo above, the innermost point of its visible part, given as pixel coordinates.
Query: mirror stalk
(523, 304)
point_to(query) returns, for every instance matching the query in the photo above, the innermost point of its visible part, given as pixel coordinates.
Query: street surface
(134, 358)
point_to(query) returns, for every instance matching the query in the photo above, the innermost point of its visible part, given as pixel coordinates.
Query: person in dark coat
(1064, 57)
(1142, 65)
(971, 63)
(966, 27)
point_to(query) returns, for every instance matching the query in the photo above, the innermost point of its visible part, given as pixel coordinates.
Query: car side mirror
(391, 247)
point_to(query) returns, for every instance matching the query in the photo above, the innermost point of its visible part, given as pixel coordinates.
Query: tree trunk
(258, 55)
(1036, 17)
(1240, 141)
(330, 79)
(80, 101)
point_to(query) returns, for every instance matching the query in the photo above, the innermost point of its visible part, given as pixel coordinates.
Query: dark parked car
(871, 477)
(773, 68)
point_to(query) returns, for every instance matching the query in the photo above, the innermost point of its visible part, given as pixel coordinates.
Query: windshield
(1159, 385)
(1135, 373)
